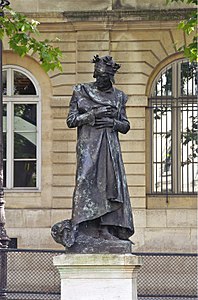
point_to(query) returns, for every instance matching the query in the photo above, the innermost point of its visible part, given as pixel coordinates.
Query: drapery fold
(101, 189)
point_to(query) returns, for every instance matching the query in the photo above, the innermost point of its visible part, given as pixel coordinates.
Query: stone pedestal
(98, 276)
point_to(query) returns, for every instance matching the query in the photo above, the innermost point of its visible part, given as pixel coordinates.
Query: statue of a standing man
(101, 203)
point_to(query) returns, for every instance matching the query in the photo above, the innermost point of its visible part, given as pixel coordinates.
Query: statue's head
(105, 68)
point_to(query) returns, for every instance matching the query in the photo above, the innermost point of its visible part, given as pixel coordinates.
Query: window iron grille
(174, 131)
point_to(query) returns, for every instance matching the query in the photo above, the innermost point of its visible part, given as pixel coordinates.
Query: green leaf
(1, 33)
(19, 29)
(189, 26)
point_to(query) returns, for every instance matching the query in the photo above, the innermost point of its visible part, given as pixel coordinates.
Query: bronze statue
(101, 204)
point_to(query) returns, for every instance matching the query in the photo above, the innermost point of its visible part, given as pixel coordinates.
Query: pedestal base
(90, 245)
(98, 276)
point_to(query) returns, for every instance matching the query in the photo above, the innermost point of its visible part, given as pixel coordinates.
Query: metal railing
(168, 276)
(32, 276)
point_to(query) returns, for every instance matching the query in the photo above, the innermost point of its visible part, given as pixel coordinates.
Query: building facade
(159, 152)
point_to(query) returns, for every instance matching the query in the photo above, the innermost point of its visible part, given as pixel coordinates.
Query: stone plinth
(98, 276)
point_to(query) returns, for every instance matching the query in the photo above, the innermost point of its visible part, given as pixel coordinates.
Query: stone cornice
(128, 15)
(114, 15)
(109, 20)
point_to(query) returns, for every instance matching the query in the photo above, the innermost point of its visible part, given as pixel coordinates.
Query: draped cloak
(101, 189)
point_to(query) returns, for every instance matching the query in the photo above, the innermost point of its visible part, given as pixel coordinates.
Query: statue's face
(102, 80)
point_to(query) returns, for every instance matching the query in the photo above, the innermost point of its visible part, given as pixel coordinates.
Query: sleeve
(122, 124)
(74, 118)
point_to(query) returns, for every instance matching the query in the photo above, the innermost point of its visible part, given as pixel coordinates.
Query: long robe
(101, 188)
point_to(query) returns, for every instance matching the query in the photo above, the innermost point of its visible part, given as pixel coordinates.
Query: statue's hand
(104, 123)
(114, 112)
(104, 111)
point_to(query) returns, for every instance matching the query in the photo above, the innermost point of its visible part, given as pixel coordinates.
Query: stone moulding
(128, 15)
(97, 265)
(98, 276)
(114, 15)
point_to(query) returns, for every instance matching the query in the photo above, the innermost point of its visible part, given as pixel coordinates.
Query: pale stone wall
(142, 48)
(82, 5)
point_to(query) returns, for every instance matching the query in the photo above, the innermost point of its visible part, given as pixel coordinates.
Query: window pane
(4, 173)
(174, 163)
(23, 85)
(163, 164)
(164, 84)
(4, 145)
(25, 145)
(162, 118)
(188, 79)
(162, 148)
(189, 148)
(24, 174)
(4, 117)
(4, 82)
(4, 130)
(25, 117)
(25, 139)
(20, 131)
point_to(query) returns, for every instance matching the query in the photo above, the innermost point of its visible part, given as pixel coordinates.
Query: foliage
(189, 26)
(24, 38)
(184, 1)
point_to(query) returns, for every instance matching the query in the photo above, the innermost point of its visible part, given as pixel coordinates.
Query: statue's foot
(106, 235)
(87, 235)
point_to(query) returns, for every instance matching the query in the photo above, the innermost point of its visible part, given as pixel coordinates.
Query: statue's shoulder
(81, 87)
(121, 95)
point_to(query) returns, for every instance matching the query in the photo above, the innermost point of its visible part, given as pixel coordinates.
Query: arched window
(174, 140)
(21, 129)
